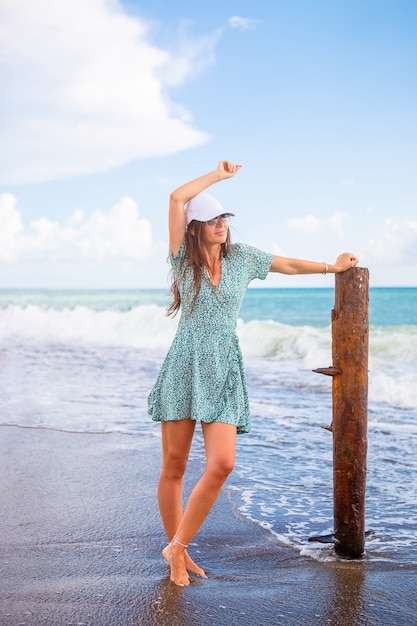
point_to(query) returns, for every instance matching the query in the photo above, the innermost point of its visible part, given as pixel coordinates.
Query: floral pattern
(203, 375)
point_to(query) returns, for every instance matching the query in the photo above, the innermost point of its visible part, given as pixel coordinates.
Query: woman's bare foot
(193, 567)
(174, 553)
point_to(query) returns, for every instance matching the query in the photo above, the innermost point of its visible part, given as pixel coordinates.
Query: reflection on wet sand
(346, 600)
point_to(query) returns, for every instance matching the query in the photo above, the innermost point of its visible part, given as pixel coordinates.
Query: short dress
(203, 377)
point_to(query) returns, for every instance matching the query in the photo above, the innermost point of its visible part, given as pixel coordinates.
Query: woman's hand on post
(345, 261)
(227, 169)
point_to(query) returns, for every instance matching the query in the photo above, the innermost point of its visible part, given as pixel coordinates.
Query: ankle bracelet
(179, 543)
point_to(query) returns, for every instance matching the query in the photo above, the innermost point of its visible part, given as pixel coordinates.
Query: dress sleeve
(258, 262)
(176, 260)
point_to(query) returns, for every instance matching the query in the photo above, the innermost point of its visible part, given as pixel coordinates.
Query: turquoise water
(387, 306)
(391, 306)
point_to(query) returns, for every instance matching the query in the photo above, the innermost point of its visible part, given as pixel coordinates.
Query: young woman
(202, 377)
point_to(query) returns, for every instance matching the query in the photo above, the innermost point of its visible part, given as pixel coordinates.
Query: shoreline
(81, 544)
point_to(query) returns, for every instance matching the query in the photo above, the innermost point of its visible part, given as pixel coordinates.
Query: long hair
(195, 258)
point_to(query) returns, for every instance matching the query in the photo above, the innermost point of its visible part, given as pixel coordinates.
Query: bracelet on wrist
(326, 268)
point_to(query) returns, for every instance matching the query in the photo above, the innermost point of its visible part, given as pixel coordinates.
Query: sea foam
(392, 364)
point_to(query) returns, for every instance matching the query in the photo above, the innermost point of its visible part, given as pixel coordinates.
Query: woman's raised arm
(180, 196)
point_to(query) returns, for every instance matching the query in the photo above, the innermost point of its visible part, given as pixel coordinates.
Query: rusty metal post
(350, 332)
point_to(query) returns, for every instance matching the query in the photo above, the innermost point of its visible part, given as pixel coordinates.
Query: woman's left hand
(345, 261)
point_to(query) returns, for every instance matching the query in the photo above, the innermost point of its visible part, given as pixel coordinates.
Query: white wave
(269, 339)
(393, 385)
(395, 342)
(392, 355)
(141, 327)
(147, 326)
(392, 364)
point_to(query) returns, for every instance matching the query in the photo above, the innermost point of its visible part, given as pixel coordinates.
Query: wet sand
(81, 540)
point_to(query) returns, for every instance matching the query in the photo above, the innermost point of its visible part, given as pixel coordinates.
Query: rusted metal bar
(350, 337)
(328, 371)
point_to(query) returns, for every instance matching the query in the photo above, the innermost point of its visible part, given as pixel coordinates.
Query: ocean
(84, 361)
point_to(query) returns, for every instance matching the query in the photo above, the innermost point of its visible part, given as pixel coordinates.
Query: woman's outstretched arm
(180, 196)
(285, 265)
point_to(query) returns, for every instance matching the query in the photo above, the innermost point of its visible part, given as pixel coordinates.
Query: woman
(202, 377)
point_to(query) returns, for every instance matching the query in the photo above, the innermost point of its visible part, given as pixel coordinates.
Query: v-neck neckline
(209, 277)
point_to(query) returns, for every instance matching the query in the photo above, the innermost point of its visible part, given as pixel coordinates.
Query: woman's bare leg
(220, 444)
(176, 443)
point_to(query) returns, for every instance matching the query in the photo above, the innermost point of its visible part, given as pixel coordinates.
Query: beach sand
(81, 543)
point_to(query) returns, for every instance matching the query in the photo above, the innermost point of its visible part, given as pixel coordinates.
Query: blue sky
(107, 106)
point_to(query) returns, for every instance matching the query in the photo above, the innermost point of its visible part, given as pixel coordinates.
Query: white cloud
(396, 243)
(10, 228)
(83, 89)
(243, 23)
(192, 56)
(313, 225)
(118, 234)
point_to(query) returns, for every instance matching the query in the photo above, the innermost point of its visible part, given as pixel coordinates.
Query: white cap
(204, 207)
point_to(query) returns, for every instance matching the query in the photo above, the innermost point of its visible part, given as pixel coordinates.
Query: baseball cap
(204, 207)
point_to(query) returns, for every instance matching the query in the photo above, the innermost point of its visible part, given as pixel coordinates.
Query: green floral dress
(203, 376)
